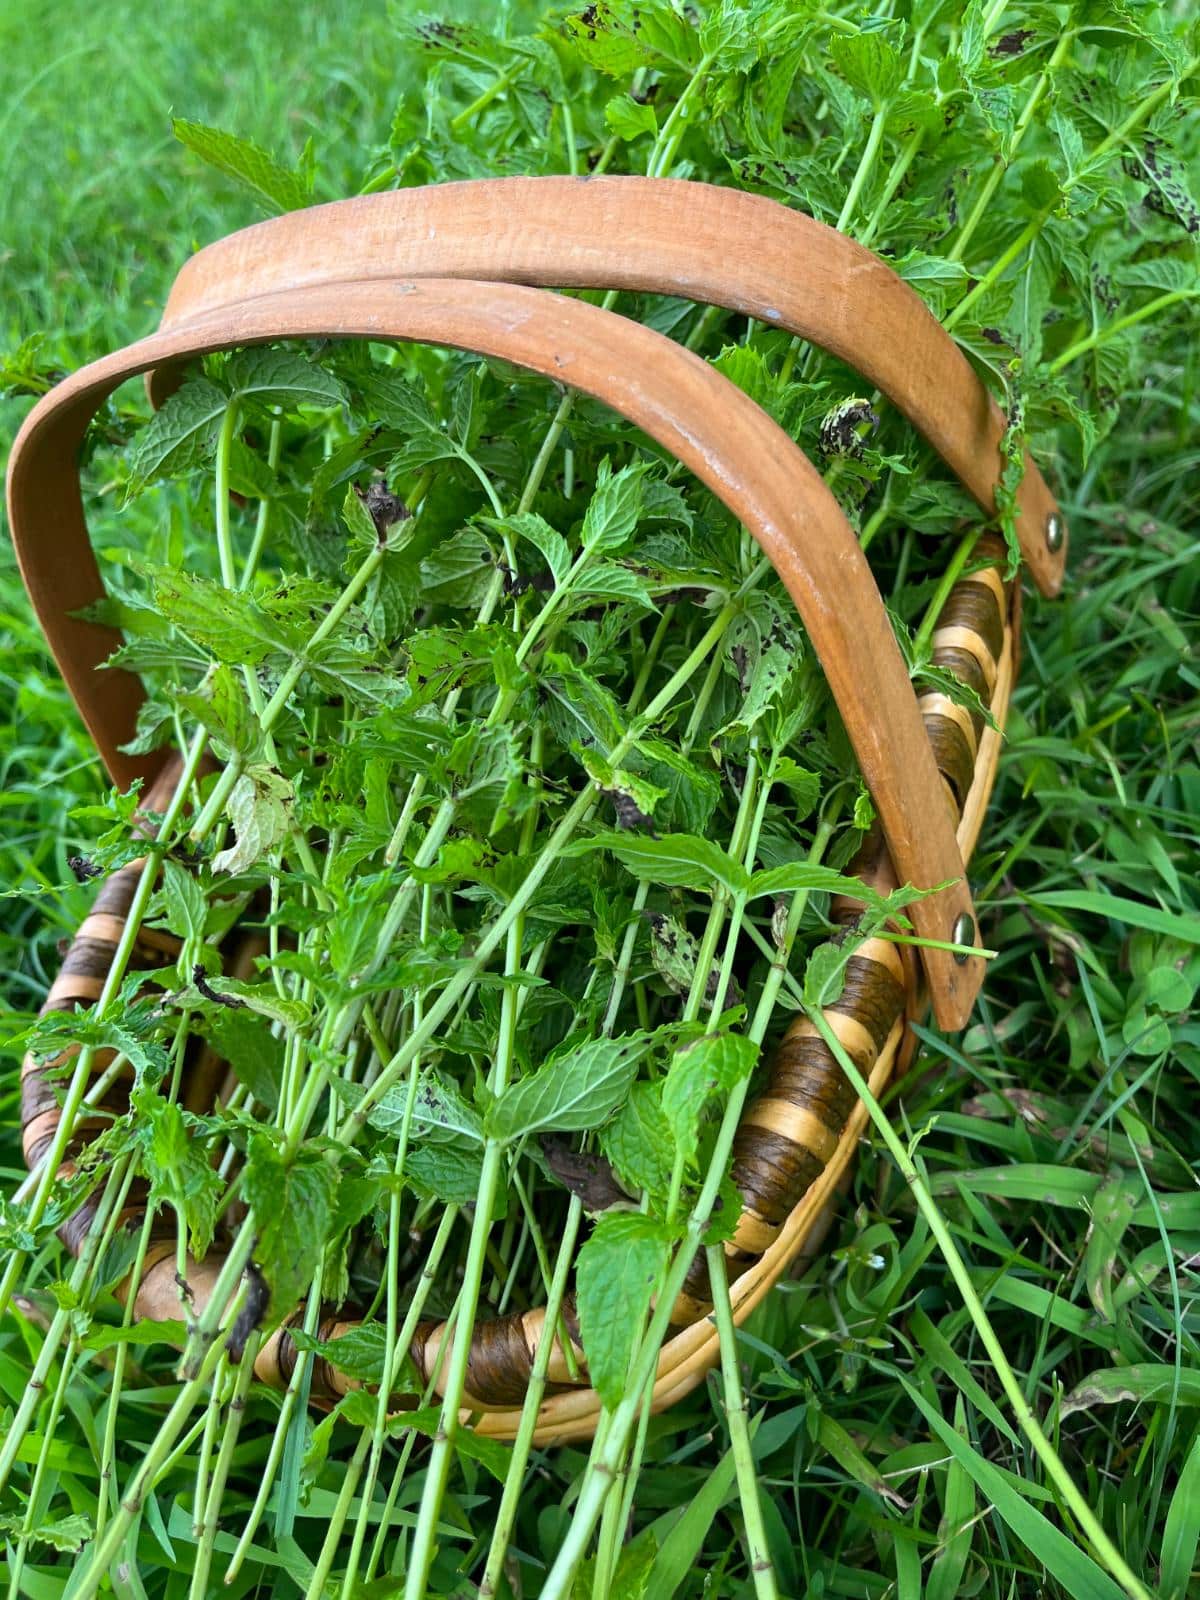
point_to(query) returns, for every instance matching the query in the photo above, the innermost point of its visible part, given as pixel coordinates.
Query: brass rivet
(1055, 533)
(964, 933)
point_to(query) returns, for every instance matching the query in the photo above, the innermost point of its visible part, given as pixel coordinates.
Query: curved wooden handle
(679, 400)
(719, 246)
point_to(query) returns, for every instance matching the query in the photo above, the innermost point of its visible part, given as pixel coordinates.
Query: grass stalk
(1022, 1411)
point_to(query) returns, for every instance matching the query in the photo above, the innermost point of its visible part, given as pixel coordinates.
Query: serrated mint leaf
(293, 1203)
(277, 187)
(803, 786)
(224, 709)
(361, 1354)
(242, 1037)
(574, 1091)
(629, 118)
(606, 580)
(458, 572)
(797, 875)
(450, 1173)
(232, 627)
(282, 378)
(869, 63)
(605, 41)
(613, 511)
(581, 710)
(616, 1276)
(701, 1072)
(677, 860)
(440, 1110)
(185, 909)
(179, 1169)
(825, 974)
(66, 1534)
(262, 998)
(639, 1142)
(553, 547)
(1166, 273)
(179, 436)
(673, 950)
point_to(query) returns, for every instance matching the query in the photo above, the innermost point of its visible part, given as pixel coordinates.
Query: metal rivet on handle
(1055, 532)
(964, 933)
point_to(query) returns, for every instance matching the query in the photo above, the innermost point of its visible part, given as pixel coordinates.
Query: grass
(1057, 1136)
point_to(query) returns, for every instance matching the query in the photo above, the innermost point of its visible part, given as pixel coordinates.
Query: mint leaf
(629, 118)
(869, 64)
(613, 511)
(293, 1202)
(282, 378)
(277, 187)
(260, 807)
(639, 1142)
(243, 1038)
(617, 1274)
(679, 860)
(572, 1092)
(703, 1071)
(179, 436)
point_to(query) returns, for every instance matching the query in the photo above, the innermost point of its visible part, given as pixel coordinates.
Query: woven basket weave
(468, 265)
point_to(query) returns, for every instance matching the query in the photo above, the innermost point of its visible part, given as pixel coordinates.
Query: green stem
(1102, 335)
(399, 1338)
(601, 1468)
(81, 1073)
(673, 129)
(32, 1505)
(275, 706)
(263, 521)
(221, 490)
(107, 1547)
(948, 579)
(210, 1520)
(515, 1476)
(999, 168)
(280, 1433)
(438, 1470)
(498, 85)
(737, 1416)
(862, 172)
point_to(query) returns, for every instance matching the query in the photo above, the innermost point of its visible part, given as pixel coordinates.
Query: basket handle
(678, 399)
(715, 245)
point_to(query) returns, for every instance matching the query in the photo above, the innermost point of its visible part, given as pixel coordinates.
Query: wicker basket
(466, 265)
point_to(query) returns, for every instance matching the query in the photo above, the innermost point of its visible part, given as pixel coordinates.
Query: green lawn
(1060, 1130)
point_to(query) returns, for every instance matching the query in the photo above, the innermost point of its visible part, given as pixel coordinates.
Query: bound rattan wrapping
(929, 763)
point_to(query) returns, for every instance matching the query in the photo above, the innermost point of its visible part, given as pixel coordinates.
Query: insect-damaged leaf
(259, 806)
(232, 627)
(618, 1271)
